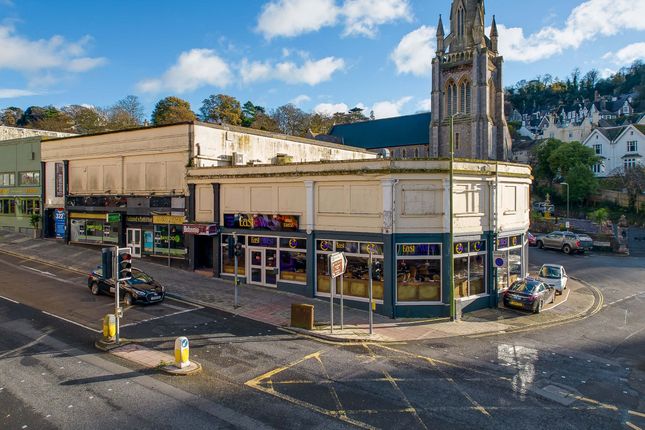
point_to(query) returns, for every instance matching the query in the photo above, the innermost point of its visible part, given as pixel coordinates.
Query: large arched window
(464, 96)
(460, 21)
(451, 98)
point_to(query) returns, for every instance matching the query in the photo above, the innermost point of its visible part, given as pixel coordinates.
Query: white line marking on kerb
(71, 322)
(9, 300)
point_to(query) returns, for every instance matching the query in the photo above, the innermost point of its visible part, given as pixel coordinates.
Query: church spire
(440, 37)
(494, 35)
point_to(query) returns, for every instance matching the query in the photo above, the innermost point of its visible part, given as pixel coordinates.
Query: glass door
(263, 266)
(133, 241)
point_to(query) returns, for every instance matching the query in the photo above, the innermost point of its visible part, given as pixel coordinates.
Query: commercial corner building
(138, 177)
(290, 218)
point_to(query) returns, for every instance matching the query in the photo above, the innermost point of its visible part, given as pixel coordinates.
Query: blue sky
(323, 55)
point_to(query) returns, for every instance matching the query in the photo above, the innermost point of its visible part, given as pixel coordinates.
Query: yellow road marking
(405, 399)
(638, 414)
(255, 381)
(632, 426)
(332, 390)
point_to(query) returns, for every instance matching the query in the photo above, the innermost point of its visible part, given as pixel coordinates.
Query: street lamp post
(564, 183)
(453, 310)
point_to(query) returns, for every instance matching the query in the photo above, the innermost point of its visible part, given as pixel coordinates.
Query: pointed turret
(440, 36)
(494, 35)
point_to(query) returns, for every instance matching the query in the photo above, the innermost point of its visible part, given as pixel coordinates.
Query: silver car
(554, 276)
(566, 241)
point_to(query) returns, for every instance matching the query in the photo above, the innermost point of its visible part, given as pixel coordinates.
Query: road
(586, 374)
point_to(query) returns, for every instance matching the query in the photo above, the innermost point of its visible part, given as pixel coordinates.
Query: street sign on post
(337, 266)
(500, 260)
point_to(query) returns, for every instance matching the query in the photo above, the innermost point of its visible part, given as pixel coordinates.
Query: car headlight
(140, 293)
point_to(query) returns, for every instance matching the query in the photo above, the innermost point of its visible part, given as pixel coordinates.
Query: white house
(618, 147)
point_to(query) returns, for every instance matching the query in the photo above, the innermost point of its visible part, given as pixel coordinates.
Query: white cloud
(627, 55)
(331, 108)
(298, 100)
(289, 18)
(55, 53)
(425, 105)
(415, 51)
(194, 69)
(589, 20)
(362, 17)
(310, 72)
(10, 93)
(388, 109)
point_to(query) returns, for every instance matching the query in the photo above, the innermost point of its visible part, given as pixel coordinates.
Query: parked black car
(529, 294)
(141, 288)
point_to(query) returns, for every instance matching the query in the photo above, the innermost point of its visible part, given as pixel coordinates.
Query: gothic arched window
(465, 96)
(460, 21)
(451, 98)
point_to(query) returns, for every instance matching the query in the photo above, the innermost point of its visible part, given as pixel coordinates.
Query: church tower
(467, 84)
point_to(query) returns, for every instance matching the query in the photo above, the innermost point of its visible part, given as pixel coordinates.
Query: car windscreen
(139, 277)
(550, 272)
(524, 287)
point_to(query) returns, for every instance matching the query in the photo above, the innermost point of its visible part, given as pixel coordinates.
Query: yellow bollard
(182, 352)
(109, 327)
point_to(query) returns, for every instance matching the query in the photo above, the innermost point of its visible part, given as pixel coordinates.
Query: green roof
(385, 133)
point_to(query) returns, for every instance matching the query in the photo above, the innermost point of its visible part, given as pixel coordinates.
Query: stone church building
(467, 88)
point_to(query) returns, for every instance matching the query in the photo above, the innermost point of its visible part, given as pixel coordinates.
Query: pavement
(274, 307)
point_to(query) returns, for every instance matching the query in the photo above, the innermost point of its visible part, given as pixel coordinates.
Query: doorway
(133, 241)
(203, 252)
(263, 263)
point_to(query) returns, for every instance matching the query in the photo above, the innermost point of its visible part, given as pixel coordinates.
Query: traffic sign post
(123, 271)
(337, 266)
(370, 263)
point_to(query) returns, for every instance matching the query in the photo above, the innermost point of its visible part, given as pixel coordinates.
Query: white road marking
(160, 317)
(42, 272)
(9, 300)
(25, 346)
(623, 299)
(71, 322)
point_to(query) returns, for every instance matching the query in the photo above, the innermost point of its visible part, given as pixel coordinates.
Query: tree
(249, 112)
(570, 154)
(222, 109)
(10, 116)
(633, 181)
(172, 110)
(543, 152)
(86, 119)
(264, 122)
(320, 123)
(125, 113)
(291, 120)
(582, 182)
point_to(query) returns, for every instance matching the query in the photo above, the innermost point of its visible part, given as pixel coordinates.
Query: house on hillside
(618, 147)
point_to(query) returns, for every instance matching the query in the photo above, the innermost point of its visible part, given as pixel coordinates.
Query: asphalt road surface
(585, 374)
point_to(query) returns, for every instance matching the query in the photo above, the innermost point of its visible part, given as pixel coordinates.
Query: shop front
(95, 228)
(201, 237)
(514, 250)
(167, 237)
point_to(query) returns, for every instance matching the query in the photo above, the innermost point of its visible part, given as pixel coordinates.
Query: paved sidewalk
(274, 307)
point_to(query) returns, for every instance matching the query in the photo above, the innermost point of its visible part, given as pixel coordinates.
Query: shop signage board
(262, 222)
(337, 264)
(168, 219)
(201, 229)
(113, 217)
(60, 223)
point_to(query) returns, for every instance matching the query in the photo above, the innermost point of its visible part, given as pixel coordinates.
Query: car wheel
(553, 299)
(538, 307)
(540, 244)
(128, 300)
(95, 289)
(566, 249)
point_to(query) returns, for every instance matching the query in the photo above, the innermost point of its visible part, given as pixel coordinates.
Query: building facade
(619, 148)
(467, 87)
(20, 189)
(289, 219)
(128, 188)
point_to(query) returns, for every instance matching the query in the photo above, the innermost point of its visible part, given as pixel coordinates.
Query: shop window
(228, 263)
(169, 242)
(29, 206)
(356, 278)
(29, 178)
(7, 206)
(7, 179)
(511, 249)
(293, 260)
(418, 273)
(470, 268)
(94, 232)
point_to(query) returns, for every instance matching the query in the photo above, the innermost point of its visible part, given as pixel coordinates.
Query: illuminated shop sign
(467, 247)
(200, 229)
(421, 249)
(262, 222)
(509, 242)
(264, 242)
(293, 243)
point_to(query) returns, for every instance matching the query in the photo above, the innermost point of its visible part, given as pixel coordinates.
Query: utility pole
(453, 313)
